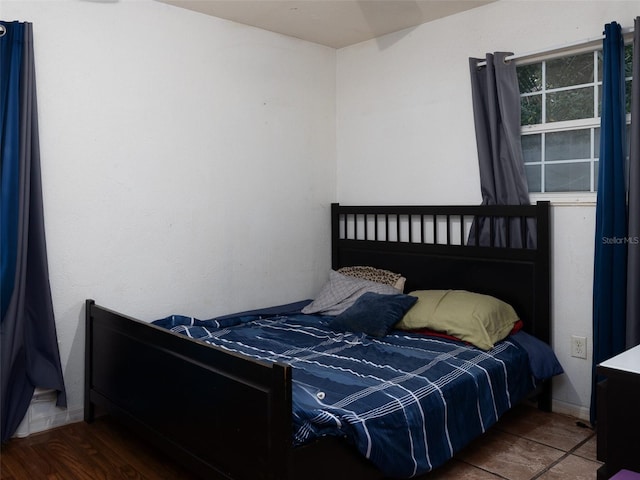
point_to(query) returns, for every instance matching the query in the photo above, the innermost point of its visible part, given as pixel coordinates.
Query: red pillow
(432, 333)
(517, 327)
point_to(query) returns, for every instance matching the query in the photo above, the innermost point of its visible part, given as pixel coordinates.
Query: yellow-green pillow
(481, 320)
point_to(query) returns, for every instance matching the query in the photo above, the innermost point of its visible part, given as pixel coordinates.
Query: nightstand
(618, 413)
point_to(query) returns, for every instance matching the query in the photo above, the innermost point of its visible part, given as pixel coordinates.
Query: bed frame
(235, 418)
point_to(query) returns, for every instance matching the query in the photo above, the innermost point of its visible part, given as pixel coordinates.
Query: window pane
(568, 177)
(531, 110)
(532, 148)
(530, 78)
(571, 70)
(534, 177)
(628, 60)
(567, 160)
(571, 145)
(599, 107)
(600, 60)
(570, 104)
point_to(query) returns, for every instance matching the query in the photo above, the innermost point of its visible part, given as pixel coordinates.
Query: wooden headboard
(429, 246)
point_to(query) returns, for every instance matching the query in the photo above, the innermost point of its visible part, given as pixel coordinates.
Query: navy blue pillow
(374, 314)
(542, 360)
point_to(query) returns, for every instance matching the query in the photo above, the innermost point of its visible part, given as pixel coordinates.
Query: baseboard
(577, 411)
(43, 414)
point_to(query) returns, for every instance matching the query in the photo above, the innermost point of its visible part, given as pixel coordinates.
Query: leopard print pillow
(375, 275)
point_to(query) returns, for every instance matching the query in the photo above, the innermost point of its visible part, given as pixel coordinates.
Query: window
(561, 101)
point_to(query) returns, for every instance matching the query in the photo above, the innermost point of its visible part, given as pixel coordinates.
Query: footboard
(220, 414)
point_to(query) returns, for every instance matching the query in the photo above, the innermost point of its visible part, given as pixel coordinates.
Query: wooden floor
(526, 444)
(102, 450)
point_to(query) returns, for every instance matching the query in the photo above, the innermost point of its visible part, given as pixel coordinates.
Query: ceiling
(334, 23)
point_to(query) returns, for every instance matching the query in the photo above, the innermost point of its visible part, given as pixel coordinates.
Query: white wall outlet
(578, 346)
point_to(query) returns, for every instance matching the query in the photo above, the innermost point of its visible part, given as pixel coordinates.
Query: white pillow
(342, 291)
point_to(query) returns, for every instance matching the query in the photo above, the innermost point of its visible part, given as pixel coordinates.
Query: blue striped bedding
(407, 402)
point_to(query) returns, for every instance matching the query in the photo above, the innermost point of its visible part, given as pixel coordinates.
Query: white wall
(405, 134)
(188, 164)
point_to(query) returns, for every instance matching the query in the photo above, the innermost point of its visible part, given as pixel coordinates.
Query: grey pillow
(342, 291)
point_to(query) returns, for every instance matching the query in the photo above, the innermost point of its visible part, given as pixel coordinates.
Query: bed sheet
(407, 402)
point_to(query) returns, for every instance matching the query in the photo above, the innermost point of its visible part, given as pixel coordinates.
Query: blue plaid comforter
(407, 402)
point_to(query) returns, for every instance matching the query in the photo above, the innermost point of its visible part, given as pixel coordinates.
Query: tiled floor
(527, 444)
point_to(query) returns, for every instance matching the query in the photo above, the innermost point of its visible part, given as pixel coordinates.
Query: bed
(226, 413)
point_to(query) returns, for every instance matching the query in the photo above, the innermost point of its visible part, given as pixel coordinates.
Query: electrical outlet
(578, 346)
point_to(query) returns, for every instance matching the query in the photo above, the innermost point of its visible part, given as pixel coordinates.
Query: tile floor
(527, 444)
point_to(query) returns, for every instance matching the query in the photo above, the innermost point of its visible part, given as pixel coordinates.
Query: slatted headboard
(429, 246)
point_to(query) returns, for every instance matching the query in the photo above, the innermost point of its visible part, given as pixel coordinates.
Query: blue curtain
(29, 355)
(610, 265)
(10, 56)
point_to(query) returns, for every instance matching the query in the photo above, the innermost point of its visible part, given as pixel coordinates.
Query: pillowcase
(373, 314)
(481, 320)
(432, 333)
(542, 360)
(342, 291)
(375, 275)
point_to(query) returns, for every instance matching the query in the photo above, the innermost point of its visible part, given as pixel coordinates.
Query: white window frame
(576, 197)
